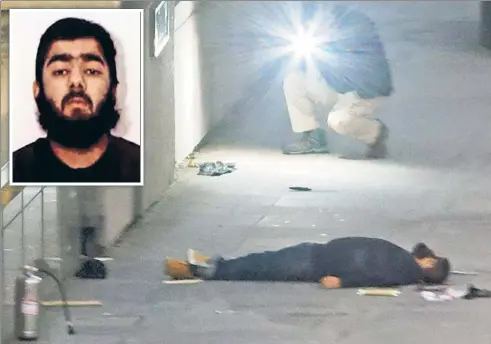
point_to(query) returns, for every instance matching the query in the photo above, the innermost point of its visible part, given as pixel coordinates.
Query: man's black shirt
(365, 262)
(36, 163)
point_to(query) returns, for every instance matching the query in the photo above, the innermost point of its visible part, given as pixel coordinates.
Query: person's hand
(330, 282)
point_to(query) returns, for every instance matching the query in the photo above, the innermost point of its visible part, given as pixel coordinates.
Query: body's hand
(330, 282)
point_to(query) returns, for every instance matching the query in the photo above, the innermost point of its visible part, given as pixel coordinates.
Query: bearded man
(75, 92)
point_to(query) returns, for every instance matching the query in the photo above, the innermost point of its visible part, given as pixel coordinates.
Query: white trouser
(350, 115)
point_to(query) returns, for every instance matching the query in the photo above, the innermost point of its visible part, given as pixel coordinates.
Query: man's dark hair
(438, 273)
(69, 29)
(420, 250)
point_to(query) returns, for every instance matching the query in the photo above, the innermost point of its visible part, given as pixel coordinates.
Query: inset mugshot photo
(76, 97)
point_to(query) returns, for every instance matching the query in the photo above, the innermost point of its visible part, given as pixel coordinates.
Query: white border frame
(158, 47)
(142, 107)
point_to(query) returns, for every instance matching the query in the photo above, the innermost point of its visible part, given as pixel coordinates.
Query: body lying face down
(348, 262)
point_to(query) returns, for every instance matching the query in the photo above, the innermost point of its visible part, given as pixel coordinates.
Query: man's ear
(35, 89)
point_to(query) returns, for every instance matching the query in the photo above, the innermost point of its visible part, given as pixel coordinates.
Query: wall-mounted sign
(161, 27)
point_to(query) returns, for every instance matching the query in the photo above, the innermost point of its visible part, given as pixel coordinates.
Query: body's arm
(360, 281)
(331, 282)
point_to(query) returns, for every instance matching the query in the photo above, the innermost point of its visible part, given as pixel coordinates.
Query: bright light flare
(303, 44)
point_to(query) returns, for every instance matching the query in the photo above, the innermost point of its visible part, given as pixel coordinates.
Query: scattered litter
(224, 312)
(464, 273)
(378, 292)
(191, 157)
(300, 188)
(473, 293)
(214, 169)
(446, 294)
(449, 294)
(59, 303)
(188, 281)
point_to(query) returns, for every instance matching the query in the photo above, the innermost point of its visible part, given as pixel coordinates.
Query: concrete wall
(122, 205)
(210, 46)
(191, 122)
(159, 124)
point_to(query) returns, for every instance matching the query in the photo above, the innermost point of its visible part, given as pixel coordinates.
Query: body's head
(76, 83)
(435, 269)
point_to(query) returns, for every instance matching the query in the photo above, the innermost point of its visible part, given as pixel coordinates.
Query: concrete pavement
(252, 210)
(434, 189)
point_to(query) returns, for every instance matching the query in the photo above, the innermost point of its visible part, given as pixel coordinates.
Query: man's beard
(79, 133)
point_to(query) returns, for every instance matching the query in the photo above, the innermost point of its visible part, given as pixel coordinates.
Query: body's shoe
(378, 150)
(178, 269)
(309, 142)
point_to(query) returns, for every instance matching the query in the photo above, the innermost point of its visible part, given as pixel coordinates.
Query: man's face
(75, 78)
(76, 100)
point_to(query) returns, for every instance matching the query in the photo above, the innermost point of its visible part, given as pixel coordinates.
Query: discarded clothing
(214, 169)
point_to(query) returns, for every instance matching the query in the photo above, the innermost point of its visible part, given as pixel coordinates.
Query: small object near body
(378, 292)
(60, 303)
(464, 273)
(188, 281)
(300, 188)
(473, 293)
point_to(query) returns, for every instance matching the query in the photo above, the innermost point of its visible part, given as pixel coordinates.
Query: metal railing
(16, 202)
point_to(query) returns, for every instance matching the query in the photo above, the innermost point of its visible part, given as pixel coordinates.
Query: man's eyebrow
(59, 57)
(92, 57)
(86, 57)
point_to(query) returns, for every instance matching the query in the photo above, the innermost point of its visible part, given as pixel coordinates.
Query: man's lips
(77, 100)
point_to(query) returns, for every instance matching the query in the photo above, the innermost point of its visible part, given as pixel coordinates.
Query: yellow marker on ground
(378, 292)
(187, 281)
(60, 303)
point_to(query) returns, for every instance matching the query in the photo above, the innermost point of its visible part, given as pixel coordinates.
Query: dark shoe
(310, 142)
(378, 150)
(92, 269)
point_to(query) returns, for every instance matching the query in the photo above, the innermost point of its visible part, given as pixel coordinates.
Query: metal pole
(42, 224)
(23, 236)
(2, 272)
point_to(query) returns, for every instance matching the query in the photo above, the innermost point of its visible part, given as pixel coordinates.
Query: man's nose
(76, 78)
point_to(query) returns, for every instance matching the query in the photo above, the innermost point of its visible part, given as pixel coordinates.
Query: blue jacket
(357, 59)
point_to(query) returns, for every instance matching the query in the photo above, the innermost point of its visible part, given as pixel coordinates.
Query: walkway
(436, 188)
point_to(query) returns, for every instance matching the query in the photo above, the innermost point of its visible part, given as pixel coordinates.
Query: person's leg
(303, 90)
(293, 263)
(352, 116)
